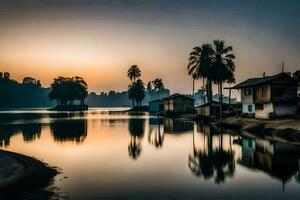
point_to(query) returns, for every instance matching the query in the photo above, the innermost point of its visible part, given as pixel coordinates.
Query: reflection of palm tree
(136, 130)
(209, 162)
(158, 137)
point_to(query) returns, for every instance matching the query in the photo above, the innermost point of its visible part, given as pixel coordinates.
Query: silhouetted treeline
(120, 99)
(22, 95)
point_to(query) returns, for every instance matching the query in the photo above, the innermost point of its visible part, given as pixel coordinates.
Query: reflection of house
(177, 126)
(279, 160)
(156, 105)
(179, 103)
(156, 121)
(269, 96)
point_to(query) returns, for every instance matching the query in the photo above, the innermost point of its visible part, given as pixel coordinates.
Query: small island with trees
(68, 90)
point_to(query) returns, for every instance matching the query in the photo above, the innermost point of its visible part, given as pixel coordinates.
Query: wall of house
(262, 94)
(154, 107)
(245, 108)
(264, 113)
(183, 105)
(168, 105)
(245, 96)
(286, 92)
(203, 110)
(285, 109)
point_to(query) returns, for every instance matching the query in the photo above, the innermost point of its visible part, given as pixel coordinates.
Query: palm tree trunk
(193, 87)
(221, 100)
(210, 90)
(194, 141)
(229, 100)
(203, 86)
(158, 94)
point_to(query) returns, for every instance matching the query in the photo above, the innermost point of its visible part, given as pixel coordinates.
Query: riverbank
(283, 130)
(23, 177)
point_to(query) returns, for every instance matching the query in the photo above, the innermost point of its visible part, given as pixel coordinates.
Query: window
(259, 106)
(247, 92)
(264, 92)
(250, 108)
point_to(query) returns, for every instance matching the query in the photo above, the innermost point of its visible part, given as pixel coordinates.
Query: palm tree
(140, 92)
(133, 73)
(136, 92)
(223, 66)
(149, 86)
(200, 66)
(158, 85)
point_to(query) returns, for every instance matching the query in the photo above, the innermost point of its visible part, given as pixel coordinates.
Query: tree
(133, 73)
(1, 74)
(6, 75)
(136, 92)
(200, 66)
(223, 67)
(29, 80)
(38, 83)
(81, 87)
(158, 85)
(296, 76)
(149, 86)
(65, 89)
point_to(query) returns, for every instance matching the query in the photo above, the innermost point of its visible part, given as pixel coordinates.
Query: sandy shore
(23, 177)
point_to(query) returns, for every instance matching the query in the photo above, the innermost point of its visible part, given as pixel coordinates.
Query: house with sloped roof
(156, 106)
(179, 103)
(269, 96)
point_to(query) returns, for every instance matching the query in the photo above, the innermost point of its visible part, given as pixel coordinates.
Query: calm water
(108, 154)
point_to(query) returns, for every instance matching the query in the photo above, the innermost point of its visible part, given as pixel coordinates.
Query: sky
(100, 39)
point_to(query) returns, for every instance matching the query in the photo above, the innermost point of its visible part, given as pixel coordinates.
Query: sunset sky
(100, 39)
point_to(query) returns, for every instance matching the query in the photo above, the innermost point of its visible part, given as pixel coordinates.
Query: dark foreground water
(106, 154)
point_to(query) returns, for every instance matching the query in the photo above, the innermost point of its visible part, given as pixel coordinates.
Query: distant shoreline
(24, 177)
(70, 108)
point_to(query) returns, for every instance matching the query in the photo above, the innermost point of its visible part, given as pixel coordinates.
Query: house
(179, 103)
(156, 106)
(210, 109)
(269, 96)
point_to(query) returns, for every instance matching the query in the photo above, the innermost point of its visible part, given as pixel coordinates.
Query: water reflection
(279, 160)
(195, 159)
(69, 130)
(176, 126)
(156, 132)
(136, 129)
(30, 132)
(209, 162)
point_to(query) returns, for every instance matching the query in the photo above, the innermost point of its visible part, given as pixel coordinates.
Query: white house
(269, 96)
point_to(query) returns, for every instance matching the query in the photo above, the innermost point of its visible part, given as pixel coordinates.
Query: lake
(109, 154)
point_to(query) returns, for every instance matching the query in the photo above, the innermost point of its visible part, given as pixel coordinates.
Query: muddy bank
(23, 177)
(283, 130)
